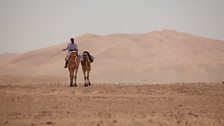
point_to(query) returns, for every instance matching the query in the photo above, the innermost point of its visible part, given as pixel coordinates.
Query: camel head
(86, 57)
(73, 55)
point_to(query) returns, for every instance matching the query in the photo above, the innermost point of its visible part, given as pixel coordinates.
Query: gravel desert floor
(57, 104)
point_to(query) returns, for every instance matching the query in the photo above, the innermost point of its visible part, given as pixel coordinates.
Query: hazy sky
(31, 24)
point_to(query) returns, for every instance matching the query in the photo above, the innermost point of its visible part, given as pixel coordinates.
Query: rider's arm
(65, 48)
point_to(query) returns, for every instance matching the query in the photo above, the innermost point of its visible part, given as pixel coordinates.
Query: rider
(71, 47)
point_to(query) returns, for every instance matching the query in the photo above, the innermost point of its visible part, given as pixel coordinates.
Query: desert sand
(57, 104)
(161, 78)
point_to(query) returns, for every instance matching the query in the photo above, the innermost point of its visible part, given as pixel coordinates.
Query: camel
(86, 68)
(73, 66)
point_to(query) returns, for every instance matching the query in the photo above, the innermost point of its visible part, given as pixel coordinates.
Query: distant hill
(158, 57)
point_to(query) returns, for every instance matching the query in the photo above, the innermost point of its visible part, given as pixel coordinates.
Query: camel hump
(91, 58)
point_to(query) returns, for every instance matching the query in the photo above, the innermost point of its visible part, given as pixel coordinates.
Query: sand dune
(35, 91)
(158, 57)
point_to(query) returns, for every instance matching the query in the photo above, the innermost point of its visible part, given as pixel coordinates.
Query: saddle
(90, 56)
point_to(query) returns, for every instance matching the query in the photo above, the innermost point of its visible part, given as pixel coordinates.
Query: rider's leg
(66, 60)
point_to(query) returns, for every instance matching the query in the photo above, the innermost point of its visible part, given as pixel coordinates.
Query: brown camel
(86, 68)
(73, 66)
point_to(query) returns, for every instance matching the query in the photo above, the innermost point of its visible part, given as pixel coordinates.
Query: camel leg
(88, 77)
(76, 76)
(71, 81)
(75, 80)
(71, 78)
(85, 78)
(76, 70)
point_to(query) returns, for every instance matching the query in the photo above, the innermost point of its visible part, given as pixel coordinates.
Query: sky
(26, 25)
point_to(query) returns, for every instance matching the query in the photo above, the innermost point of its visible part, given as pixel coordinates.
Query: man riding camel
(71, 47)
